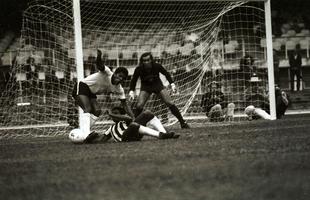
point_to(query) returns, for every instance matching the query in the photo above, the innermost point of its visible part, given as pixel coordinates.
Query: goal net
(205, 45)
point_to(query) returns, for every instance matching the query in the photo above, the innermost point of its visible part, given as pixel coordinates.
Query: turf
(252, 160)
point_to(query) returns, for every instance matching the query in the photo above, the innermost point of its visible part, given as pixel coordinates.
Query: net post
(270, 60)
(78, 46)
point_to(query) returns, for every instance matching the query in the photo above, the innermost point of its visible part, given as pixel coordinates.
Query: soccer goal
(205, 45)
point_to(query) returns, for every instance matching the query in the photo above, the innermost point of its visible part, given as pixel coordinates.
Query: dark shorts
(82, 89)
(154, 87)
(132, 132)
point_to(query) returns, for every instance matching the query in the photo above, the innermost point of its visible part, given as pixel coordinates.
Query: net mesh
(203, 44)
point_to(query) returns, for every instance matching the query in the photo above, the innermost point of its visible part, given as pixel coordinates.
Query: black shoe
(91, 137)
(184, 125)
(168, 135)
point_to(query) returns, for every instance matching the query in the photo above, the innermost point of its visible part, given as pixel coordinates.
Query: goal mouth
(197, 42)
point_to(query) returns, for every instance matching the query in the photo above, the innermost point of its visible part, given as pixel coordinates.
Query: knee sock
(148, 131)
(175, 111)
(263, 114)
(87, 120)
(156, 124)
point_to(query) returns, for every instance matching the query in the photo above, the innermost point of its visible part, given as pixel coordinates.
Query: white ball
(249, 110)
(77, 136)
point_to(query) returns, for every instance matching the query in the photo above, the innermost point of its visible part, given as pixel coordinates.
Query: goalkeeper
(126, 129)
(149, 73)
(104, 81)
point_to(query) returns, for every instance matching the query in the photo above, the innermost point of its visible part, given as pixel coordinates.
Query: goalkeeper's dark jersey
(149, 76)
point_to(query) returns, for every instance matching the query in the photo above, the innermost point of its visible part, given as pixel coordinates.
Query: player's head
(249, 111)
(119, 76)
(146, 59)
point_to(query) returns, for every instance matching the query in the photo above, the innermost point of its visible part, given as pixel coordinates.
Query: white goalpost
(200, 43)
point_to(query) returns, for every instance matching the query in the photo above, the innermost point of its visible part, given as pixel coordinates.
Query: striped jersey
(117, 130)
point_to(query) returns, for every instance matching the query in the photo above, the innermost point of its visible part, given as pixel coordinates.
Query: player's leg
(147, 118)
(135, 132)
(142, 99)
(165, 97)
(261, 113)
(230, 111)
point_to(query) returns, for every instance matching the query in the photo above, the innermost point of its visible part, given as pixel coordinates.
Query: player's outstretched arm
(120, 117)
(99, 62)
(127, 108)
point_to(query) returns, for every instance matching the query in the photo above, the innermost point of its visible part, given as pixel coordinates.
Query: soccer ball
(77, 136)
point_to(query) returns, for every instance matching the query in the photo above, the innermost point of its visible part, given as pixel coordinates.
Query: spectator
(247, 67)
(216, 64)
(31, 75)
(214, 103)
(256, 94)
(295, 61)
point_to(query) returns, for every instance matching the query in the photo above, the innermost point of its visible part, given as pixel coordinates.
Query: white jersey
(100, 82)
(117, 130)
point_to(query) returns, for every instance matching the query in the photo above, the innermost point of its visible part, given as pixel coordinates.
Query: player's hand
(173, 88)
(131, 95)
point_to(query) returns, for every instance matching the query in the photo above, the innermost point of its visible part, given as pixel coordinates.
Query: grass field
(252, 160)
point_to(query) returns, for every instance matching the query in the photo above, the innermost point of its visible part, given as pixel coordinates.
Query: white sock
(156, 124)
(263, 114)
(85, 123)
(148, 131)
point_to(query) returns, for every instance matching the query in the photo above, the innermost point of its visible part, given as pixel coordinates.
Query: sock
(85, 123)
(148, 131)
(156, 124)
(175, 111)
(263, 114)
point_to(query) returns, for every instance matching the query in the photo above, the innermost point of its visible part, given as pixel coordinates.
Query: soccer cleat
(91, 137)
(168, 135)
(184, 125)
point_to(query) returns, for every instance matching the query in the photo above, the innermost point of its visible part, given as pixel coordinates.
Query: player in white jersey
(125, 129)
(104, 81)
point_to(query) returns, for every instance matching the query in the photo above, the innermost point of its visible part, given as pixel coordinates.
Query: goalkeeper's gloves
(173, 88)
(131, 95)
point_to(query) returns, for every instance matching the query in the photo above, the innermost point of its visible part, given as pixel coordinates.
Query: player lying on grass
(282, 103)
(104, 81)
(126, 129)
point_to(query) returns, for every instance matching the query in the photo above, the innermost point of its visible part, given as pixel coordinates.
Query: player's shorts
(82, 89)
(132, 133)
(154, 87)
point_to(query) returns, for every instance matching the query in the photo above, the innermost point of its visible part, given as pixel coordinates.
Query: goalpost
(198, 42)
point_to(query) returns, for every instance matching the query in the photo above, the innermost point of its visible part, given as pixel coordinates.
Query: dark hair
(144, 55)
(121, 70)
(119, 109)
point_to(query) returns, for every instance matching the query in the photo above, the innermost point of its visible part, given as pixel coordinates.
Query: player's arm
(106, 135)
(120, 117)
(127, 108)
(99, 62)
(165, 73)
